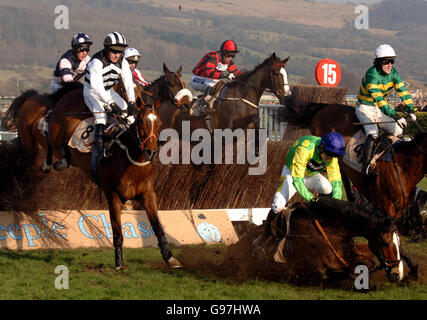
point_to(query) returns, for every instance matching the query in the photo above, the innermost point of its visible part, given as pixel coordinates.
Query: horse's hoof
(120, 268)
(61, 165)
(174, 263)
(45, 168)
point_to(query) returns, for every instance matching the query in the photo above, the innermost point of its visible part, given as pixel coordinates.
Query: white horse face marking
(152, 117)
(285, 81)
(396, 241)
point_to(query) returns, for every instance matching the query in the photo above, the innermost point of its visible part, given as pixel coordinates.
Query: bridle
(387, 265)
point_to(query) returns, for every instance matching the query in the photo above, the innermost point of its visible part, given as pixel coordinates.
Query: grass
(31, 275)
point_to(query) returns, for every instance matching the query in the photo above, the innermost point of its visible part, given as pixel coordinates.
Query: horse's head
(385, 244)
(279, 77)
(180, 96)
(148, 127)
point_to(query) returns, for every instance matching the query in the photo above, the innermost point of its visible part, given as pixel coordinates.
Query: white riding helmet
(384, 51)
(131, 54)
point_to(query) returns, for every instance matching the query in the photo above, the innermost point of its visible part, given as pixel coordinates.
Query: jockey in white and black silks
(103, 71)
(72, 64)
(372, 106)
(133, 57)
(213, 67)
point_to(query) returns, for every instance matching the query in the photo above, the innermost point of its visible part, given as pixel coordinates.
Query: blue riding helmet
(334, 143)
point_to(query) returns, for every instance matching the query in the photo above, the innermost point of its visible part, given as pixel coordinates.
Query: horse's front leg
(149, 201)
(411, 262)
(115, 208)
(47, 165)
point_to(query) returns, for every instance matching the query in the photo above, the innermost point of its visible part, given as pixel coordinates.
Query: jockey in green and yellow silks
(307, 158)
(377, 83)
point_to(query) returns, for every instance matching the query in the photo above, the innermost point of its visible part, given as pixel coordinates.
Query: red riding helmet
(228, 47)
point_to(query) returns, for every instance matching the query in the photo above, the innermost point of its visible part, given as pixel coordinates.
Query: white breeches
(367, 113)
(201, 83)
(96, 106)
(316, 183)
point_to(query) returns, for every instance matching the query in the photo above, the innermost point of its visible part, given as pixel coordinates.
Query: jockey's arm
(65, 70)
(137, 76)
(299, 164)
(127, 81)
(404, 94)
(233, 69)
(334, 177)
(374, 91)
(97, 82)
(209, 69)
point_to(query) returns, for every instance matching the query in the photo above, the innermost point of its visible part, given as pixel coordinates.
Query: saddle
(83, 137)
(215, 97)
(381, 149)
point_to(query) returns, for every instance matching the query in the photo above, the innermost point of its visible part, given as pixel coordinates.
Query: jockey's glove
(412, 116)
(115, 108)
(131, 108)
(225, 74)
(400, 121)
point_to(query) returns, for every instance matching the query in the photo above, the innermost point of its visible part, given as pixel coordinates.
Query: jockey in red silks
(132, 56)
(213, 67)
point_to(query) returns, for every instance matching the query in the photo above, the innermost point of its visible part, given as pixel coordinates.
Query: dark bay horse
(25, 114)
(394, 189)
(321, 241)
(127, 174)
(238, 107)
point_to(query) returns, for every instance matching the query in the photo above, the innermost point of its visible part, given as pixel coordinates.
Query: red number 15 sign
(328, 73)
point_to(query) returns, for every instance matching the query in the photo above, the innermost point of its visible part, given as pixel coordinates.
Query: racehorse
(168, 89)
(25, 113)
(394, 188)
(127, 174)
(321, 240)
(238, 100)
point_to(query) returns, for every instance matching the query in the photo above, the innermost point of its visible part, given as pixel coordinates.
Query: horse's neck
(156, 87)
(413, 167)
(256, 82)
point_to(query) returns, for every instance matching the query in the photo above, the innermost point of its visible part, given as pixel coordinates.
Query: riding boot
(367, 169)
(98, 148)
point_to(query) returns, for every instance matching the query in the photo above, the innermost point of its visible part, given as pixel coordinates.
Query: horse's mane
(155, 82)
(354, 213)
(404, 146)
(243, 77)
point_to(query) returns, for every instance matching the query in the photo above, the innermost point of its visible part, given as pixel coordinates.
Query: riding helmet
(80, 41)
(228, 47)
(115, 41)
(131, 54)
(334, 143)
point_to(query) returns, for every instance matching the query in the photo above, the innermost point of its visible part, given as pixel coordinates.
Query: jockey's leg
(97, 108)
(319, 184)
(284, 193)
(366, 113)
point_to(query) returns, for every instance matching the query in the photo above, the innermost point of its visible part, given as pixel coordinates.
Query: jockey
(372, 106)
(305, 160)
(214, 66)
(72, 64)
(132, 56)
(103, 71)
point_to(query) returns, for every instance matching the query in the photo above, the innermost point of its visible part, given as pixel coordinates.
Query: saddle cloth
(44, 123)
(354, 150)
(84, 136)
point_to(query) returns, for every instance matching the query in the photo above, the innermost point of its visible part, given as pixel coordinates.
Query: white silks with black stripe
(101, 76)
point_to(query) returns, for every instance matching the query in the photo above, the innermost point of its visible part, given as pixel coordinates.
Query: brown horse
(238, 103)
(394, 189)
(127, 174)
(321, 240)
(25, 114)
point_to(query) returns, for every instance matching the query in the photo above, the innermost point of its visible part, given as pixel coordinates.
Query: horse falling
(321, 241)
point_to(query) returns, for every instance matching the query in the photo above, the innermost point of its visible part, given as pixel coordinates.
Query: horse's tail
(66, 87)
(13, 111)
